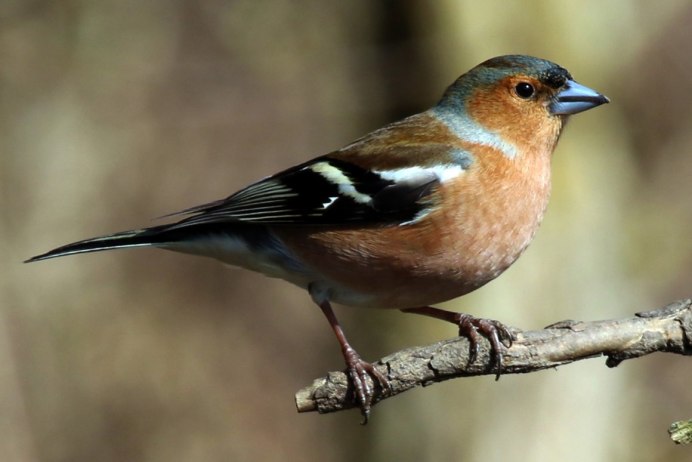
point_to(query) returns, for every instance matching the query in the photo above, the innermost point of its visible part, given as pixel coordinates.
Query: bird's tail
(134, 238)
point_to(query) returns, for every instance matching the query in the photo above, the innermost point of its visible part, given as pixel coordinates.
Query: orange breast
(490, 215)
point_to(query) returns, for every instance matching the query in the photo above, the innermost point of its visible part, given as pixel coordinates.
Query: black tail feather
(125, 239)
(159, 236)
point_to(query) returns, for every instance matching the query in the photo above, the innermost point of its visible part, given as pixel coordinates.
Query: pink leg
(472, 328)
(357, 369)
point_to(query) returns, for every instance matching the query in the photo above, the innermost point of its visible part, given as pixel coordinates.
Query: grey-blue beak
(574, 98)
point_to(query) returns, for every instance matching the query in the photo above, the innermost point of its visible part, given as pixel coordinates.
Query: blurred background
(116, 112)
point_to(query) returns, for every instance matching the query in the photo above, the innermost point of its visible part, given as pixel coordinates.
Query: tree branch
(668, 329)
(681, 432)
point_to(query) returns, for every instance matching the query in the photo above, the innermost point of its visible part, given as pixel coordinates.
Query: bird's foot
(363, 375)
(497, 334)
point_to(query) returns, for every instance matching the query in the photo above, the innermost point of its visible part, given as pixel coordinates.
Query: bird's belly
(412, 272)
(268, 256)
(401, 266)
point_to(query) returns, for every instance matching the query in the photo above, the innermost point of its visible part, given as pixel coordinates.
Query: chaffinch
(421, 211)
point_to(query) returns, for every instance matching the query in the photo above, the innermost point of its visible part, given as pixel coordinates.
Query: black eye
(524, 90)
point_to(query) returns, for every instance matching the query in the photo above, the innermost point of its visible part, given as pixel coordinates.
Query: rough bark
(668, 329)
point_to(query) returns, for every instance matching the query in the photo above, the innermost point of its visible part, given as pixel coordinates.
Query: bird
(418, 212)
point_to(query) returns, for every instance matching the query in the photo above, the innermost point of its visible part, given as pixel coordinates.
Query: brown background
(113, 112)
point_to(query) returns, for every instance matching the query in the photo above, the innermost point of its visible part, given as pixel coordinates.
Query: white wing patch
(337, 177)
(443, 173)
(329, 202)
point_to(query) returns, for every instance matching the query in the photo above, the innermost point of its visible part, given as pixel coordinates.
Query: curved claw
(497, 334)
(357, 369)
(473, 328)
(361, 373)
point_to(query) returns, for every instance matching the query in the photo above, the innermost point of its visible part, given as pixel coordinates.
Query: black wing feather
(305, 195)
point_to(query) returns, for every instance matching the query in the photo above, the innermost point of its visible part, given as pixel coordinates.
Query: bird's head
(521, 98)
